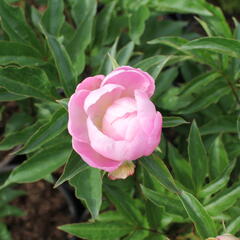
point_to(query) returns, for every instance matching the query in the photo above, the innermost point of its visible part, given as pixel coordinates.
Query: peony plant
(83, 88)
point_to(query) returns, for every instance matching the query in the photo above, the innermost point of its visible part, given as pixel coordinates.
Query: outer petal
(93, 158)
(77, 117)
(131, 79)
(90, 83)
(146, 112)
(121, 150)
(154, 138)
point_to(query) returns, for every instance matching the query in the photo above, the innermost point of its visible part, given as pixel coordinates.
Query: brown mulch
(45, 208)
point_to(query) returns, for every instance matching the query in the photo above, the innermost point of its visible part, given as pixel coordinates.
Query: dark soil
(45, 208)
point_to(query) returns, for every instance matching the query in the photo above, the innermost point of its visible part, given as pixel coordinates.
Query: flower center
(119, 121)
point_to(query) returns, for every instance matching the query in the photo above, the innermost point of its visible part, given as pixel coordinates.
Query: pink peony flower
(112, 120)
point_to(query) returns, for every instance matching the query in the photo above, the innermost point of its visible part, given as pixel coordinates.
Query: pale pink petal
(132, 79)
(77, 117)
(146, 112)
(121, 150)
(93, 158)
(119, 129)
(90, 83)
(119, 117)
(100, 99)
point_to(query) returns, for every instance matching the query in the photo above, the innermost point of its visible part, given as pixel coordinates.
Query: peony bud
(122, 172)
(112, 120)
(225, 237)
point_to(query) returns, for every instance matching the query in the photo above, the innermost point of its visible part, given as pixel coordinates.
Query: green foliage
(192, 178)
(88, 187)
(98, 230)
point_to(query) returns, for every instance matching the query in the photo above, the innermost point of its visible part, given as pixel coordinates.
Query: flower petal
(98, 100)
(119, 117)
(146, 112)
(154, 139)
(118, 150)
(93, 158)
(132, 79)
(77, 117)
(90, 83)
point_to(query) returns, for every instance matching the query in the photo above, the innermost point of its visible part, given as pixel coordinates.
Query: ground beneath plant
(45, 208)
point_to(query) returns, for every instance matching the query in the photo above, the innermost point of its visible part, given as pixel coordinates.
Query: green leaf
(229, 47)
(221, 203)
(18, 53)
(178, 43)
(156, 168)
(30, 82)
(110, 216)
(181, 168)
(88, 188)
(4, 233)
(238, 126)
(171, 100)
(9, 194)
(217, 184)
(199, 83)
(137, 235)
(63, 102)
(201, 219)
(124, 54)
(74, 166)
(197, 156)
(137, 23)
(40, 164)
(223, 124)
(183, 6)
(103, 21)
(171, 204)
(173, 121)
(233, 227)
(18, 121)
(83, 12)
(211, 95)
(35, 16)
(8, 210)
(204, 26)
(6, 96)
(217, 22)
(154, 214)
(53, 17)
(18, 137)
(14, 24)
(218, 158)
(108, 65)
(170, 41)
(113, 61)
(124, 204)
(164, 81)
(150, 62)
(47, 132)
(63, 63)
(155, 71)
(98, 230)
